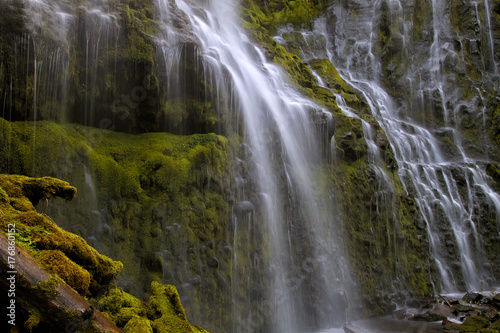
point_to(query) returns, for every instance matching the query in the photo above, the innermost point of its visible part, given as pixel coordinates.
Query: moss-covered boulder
(79, 265)
(51, 303)
(138, 325)
(74, 275)
(163, 312)
(471, 324)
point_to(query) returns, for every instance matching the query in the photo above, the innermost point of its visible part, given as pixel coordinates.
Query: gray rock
(442, 310)
(243, 207)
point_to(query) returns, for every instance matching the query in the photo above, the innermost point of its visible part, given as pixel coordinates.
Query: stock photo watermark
(11, 274)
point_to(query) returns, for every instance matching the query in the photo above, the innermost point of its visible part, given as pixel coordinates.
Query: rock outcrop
(57, 282)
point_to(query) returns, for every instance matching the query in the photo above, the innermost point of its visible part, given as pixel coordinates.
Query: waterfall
(403, 132)
(281, 222)
(59, 33)
(447, 186)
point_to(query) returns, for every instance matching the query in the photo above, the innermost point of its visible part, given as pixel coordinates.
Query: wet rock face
(103, 65)
(403, 47)
(438, 61)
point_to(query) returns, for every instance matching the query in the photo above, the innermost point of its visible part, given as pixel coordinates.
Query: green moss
(139, 29)
(21, 204)
(63, 253)
(163, 313)
(138, 325)
(4, 197)
(121, 307)
(276, 13)
(47, 290)
(170, 324)
(496, 325)
(471, 324)
(74, 275)
(165, 300)
(33, 320)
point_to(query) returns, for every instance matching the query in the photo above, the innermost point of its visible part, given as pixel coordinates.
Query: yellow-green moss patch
(74, 275)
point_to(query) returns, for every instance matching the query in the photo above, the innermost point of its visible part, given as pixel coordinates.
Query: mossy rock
(138, 325)
(36, 189)
(471, 324)
(75, 263)
(74, 275)
(165, 300)
(163, 313)
(121, 307)
(144, 192)
(64, 253)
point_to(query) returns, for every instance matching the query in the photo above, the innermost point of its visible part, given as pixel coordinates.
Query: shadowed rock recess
(274, 166)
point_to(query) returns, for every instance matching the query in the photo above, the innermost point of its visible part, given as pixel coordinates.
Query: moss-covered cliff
(48, 260)
(438, 63)
(158, 202)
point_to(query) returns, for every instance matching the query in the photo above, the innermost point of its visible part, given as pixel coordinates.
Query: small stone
(213, 262)
(243, 207)
(472, 297)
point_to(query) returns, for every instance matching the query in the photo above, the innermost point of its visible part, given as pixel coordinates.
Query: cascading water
(287, 270)
(44, 56)
(447, 187)
(278, 203)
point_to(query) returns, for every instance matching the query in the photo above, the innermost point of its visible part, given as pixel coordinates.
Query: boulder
(471, 324)
(472, 297)
(443, 310)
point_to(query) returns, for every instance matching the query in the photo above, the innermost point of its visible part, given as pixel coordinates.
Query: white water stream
(425, 170)
(278, 150)
(282, 152)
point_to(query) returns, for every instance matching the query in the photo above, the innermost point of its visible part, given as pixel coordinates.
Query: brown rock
(472, 297)
(442, 310)
(65, 299)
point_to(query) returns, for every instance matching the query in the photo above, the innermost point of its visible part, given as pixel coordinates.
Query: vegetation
(75, 263)
(156, 191)
(160, 202)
